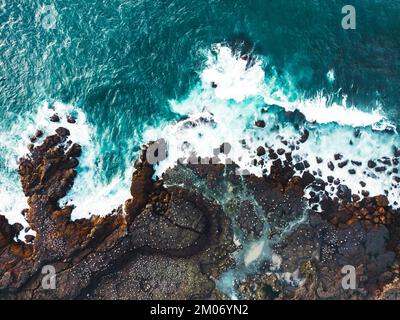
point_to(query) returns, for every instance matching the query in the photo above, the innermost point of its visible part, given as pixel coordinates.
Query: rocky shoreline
(166, 244)
(175, 236)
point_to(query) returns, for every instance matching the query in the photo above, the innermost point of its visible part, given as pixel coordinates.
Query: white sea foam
(320, 111)
(223, 108)
(330, 76)
(254, 252)
(230, 98)
(91, 194)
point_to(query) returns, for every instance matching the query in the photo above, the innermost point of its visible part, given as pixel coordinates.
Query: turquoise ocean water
(129, 70)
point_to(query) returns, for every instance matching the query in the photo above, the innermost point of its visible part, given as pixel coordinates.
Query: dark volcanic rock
(396, 152)
(260, 123)
(260, 151)
(307, 179)
(280, 151)
(39, 133)
(319, 251)
(343, 164)
(338, 156)
(71, 119)
(371, 164)
(344, 192)
(173, 238)
(165, 233)
(55, 118)
(248, 220)
(299, 166)
(304, 136)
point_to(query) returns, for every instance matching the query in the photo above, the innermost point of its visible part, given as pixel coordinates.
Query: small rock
(260, 151)
(18, 227)
(280, 151)
(299, 166)
(63, 132)
(381, 201)
(385, 161)
(39, 134)
(371, 164)
(396, 152)
(344, 192)
(71, 119)
(260, 123)
(55, 118)
(29, 238)
(365, 193)
(343, 164)
(304, 136)
(338, 156)
(272, 154)
(307, 179)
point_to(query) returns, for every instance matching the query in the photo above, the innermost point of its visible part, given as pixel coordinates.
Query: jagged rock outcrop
(174, 236)
(309, 247)
(160, 227)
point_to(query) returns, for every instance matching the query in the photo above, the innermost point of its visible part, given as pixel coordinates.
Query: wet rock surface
(248, 220)
(165, 243)
(174, 237)
(310, 241)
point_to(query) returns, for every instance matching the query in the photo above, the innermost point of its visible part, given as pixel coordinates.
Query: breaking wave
(235, 93)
